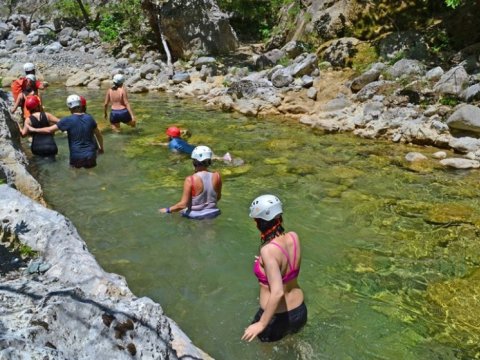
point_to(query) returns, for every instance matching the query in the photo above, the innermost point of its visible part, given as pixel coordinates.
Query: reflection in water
(389, 248)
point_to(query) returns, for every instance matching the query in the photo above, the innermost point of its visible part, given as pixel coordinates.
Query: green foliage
(26, 251)
(365, 55)
(1, 82)
(119, 20)
(449, 101)
(69, 8)
(253, 19)
(452, 3)
(109, 28)
(399, 55)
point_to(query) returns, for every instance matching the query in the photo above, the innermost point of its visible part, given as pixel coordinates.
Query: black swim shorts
(117, 116)
(282, 324)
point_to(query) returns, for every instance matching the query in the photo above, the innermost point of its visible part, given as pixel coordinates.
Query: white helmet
(31, 77)
(28, 67)
(118, 79)
(73, 101)
(266, 207)
(202, 153)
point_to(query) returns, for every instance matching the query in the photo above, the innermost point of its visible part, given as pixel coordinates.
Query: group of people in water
(282, 309)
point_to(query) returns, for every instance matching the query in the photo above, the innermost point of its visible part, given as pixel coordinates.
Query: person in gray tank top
(201, 191)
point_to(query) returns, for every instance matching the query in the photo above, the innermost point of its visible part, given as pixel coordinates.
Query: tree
(453, 3)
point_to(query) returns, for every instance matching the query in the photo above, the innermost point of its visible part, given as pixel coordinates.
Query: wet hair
(270, 229)
(204, 163)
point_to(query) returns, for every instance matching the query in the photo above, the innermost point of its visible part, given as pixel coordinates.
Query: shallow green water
(375, 235)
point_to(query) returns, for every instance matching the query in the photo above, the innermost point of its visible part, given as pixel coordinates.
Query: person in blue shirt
(176, 143)
(84, 137)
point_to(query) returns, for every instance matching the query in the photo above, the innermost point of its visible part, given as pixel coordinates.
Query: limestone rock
(460, 163)
(466, 117)
(196, 27)
(452, 82)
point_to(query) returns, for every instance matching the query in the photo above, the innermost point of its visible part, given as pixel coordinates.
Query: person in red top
(29, 91)
(282, 309)
(20, 84)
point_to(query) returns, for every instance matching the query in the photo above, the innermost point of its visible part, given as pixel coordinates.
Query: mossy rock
(236, 171)
(302, 169)
(456, 302)
(275, 161)
(281, 144)
(450, 214)
(365, 55)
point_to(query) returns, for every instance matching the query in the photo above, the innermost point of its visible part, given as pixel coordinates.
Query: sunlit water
(370, 251)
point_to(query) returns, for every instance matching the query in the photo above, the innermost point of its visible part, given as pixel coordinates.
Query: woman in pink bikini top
(282, 309)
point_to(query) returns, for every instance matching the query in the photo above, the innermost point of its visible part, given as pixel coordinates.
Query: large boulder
(339, 51)
(406, 67)
(367, 77)
(453, 82)
(196, 27)
(466, 117)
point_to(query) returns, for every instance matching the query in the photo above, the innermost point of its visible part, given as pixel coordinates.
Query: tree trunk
(84, 11)
(152, 12)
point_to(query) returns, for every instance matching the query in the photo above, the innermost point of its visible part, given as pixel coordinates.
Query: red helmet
(173, 131)
(32, 102)
(83, 101)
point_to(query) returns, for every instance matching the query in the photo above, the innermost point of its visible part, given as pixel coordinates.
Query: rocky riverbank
(405, 101)
(63, 305)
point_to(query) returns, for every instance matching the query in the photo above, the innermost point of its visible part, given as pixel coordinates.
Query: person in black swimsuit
(42, 144)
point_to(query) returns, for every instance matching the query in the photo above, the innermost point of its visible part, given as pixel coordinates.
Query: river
(387, 245)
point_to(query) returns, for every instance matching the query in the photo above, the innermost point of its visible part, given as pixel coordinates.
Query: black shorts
(118, 116)
(282, 324)
(85, 163)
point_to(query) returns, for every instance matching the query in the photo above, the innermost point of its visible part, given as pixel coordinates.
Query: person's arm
(184, 201)
(52, 118)
(218, 187)
(274, 276)
(105, 104)
(158, 143)
(45, 130)
(99, 137)
(17, 103)
(127, 104)
(24, 131)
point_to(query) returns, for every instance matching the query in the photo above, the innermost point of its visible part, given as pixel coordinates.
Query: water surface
(384, 242)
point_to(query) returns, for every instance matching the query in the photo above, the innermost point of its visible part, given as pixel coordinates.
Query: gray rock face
(79, 79)
(281, 78)
(452, 82)
(415, 156)
(340, 50)
(434, 74)
(406, 67)
(408, 43)
(196, 27)
(12, 160)
(472, 93)
(460, 163)
(269, 59)
(75, 310)
(367, 77)
(466, 117)
(4, 30)
(465, 144)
